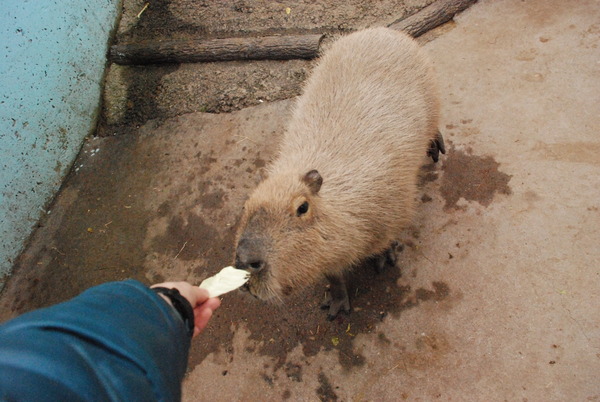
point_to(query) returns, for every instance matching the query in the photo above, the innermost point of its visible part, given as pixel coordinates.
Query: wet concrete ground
(495, 296)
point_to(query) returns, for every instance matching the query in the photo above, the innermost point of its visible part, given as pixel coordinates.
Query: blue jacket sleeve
(117, 341)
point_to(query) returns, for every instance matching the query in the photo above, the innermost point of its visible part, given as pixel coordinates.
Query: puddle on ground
(472, 177)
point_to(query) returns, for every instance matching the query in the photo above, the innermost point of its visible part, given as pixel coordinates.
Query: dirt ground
(493, 295)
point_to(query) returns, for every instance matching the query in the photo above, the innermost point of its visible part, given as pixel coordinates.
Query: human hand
(203, 305)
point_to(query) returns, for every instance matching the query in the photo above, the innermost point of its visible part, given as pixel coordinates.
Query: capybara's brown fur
(344, 183)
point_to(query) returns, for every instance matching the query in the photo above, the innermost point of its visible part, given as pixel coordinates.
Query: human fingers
(201, 296)
(203, 313)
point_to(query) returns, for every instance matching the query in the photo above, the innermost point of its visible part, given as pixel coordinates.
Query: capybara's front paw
(336, 297)
(335, 306)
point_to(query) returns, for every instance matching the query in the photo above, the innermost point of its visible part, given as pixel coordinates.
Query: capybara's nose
(252, 264)
(247, 258)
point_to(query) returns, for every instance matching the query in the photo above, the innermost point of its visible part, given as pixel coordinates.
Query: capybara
(344, 183)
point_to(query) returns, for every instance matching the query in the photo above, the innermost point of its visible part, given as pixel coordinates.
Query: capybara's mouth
(259, 288)
(246, 289)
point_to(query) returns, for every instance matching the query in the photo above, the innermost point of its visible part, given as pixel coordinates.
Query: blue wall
(52, 59)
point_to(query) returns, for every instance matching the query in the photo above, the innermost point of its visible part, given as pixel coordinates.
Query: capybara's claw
(436, 146)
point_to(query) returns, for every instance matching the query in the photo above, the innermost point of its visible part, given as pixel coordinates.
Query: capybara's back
(344, 183)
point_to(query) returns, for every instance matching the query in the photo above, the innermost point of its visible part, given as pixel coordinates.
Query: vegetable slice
(228, 279)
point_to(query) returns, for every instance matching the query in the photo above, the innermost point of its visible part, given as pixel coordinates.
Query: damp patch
(472, 177)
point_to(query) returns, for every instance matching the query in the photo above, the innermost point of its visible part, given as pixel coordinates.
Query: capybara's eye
(302, 209)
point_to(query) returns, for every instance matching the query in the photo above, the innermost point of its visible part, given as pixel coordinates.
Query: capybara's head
(280, 239)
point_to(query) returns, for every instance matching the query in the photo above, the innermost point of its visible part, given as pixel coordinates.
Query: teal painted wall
(52, 60)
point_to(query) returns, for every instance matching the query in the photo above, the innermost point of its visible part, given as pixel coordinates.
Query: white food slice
(228, 279)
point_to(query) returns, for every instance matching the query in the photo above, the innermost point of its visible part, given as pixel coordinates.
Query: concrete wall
(52, 59)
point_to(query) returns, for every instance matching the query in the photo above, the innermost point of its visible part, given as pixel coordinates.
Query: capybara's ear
(313, 180)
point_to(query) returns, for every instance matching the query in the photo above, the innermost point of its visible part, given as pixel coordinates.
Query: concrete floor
(496, 295)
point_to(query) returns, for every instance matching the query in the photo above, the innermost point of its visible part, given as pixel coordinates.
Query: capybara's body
(344, 183)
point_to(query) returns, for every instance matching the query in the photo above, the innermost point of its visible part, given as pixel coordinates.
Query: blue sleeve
(117, 341)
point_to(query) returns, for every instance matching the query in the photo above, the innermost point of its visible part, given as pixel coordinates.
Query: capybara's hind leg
(336, 298)
(436, 146)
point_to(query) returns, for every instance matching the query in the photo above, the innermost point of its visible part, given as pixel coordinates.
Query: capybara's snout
(248, 255)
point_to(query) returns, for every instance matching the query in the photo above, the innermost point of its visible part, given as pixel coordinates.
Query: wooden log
(192, 51)
(433, 15)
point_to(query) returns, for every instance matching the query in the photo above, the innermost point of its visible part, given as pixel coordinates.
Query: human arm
(117, 341)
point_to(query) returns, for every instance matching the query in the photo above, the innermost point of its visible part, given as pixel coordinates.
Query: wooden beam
(204, 50)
